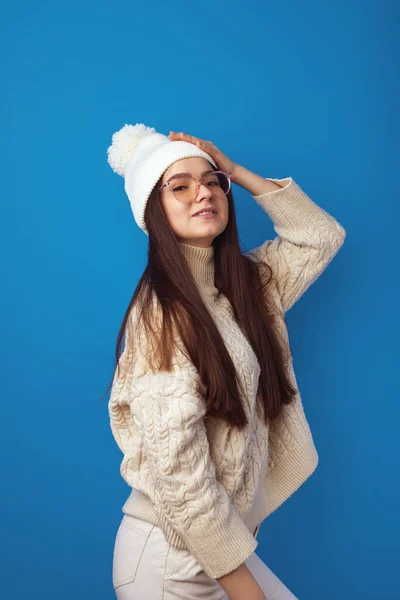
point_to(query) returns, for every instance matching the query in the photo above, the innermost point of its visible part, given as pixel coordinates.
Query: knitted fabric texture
(204, 483)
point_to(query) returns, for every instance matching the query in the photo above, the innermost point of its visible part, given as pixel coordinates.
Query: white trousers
(146, 567)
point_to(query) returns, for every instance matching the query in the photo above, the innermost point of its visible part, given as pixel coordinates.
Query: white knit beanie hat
(141, 155)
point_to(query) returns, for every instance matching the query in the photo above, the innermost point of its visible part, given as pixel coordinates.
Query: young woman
(204, 404)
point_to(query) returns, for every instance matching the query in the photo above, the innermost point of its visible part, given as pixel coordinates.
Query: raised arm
(307, 240)
(308, 237)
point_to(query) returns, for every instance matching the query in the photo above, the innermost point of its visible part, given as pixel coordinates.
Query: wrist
(252, 182)
(236, 173)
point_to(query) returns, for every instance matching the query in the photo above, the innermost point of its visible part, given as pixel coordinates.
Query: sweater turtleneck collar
(201, 262)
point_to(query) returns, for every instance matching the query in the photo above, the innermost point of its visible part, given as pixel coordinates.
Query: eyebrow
(180, 174)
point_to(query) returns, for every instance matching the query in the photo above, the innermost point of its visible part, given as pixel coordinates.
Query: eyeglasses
(185, 187)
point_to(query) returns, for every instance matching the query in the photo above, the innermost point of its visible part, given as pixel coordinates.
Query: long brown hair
(167, 283)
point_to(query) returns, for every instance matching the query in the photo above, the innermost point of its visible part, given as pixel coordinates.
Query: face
(196, 231)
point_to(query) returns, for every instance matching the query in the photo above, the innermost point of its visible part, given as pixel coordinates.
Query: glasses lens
(217, 180)
(184, 188)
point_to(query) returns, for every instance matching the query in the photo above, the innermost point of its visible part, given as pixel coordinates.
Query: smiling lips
(205, 210)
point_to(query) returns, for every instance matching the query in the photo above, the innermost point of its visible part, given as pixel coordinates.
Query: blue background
(302, 89)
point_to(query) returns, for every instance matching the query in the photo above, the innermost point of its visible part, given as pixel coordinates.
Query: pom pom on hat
(123, 145)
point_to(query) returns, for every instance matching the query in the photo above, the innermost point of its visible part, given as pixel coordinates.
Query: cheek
(180, 211)
(225, 209)
(175, 212)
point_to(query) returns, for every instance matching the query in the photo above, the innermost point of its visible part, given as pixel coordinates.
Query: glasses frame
(198, 183)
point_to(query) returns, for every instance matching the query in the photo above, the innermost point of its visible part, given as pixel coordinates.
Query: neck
(201, 264)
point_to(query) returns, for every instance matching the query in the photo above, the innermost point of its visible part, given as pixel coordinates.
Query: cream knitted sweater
(205, 484)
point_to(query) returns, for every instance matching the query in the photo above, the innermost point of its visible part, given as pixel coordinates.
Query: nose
(203, 192)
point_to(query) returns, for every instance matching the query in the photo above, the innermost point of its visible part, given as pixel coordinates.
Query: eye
(178, 188)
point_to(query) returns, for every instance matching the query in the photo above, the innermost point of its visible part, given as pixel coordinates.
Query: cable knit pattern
(207, 485)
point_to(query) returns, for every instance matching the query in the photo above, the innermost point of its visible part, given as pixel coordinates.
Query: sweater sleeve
(168, 410)
(307, 240)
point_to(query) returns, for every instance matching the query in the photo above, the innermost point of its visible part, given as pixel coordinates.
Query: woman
(204, 403)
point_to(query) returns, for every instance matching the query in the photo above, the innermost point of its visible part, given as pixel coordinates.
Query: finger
(191, 137)
(181, 136)
(195, 140)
